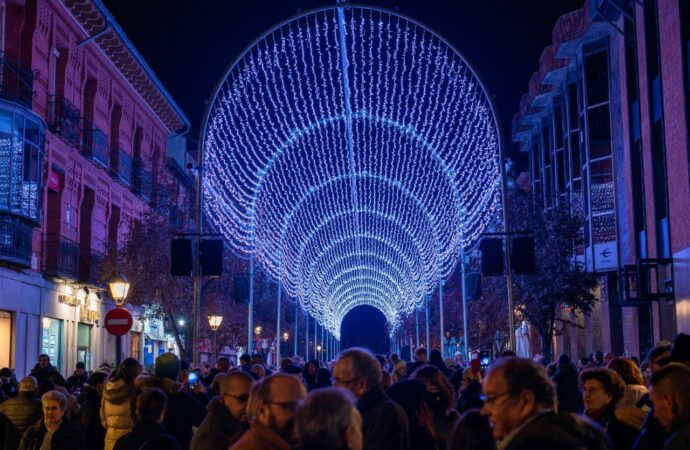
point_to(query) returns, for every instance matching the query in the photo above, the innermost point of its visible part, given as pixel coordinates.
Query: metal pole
(316, 338)
(118, 351)
(296, 327)
(250, 325)
(440, 314)
(416, 323)
(506, 229)
(306, 338)
(426, 319)
(322, 344)
(279, 337)
(197, 265)
(215, 346)
(465, 330)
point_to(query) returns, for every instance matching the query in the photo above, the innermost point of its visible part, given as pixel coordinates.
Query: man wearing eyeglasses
(226, 419)
(273, 401)
(384, 423)
(520, 403)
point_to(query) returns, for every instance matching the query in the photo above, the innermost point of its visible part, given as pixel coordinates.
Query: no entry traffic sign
(118, 321)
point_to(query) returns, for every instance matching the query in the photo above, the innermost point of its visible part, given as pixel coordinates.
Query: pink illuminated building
(85, 127)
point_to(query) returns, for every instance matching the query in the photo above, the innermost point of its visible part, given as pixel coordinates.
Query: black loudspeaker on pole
(210, 257)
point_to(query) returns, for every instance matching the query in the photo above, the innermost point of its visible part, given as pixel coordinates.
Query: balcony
(16, 81)
(60, 257)
(142, 180)
(91, 272)
(64, 120)
(95, 144)
(15, 240)
(121, 167)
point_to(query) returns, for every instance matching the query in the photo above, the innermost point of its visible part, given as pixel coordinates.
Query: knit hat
(167, 366)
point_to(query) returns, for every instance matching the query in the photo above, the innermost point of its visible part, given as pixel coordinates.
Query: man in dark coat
(148, 433)
(567, 385)
(44, 369)
(10, 387)
(183, 411)
(520, 402)
(53, 431)
(90, 407)
(19, 413)
(226, 419)
(671, 399)
(77, 380)
(384, 423)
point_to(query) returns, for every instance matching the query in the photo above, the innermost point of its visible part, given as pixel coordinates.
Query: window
(6, 338)
(84, 344)
(135, 345)
(51, 343)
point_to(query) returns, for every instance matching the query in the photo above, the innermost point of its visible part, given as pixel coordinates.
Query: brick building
(605, 125)
(84, 132)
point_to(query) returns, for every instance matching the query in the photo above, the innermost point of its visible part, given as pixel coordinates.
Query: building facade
(84, 132)
(605, 125)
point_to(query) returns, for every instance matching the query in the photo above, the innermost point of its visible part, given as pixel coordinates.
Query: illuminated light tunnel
(353, 152)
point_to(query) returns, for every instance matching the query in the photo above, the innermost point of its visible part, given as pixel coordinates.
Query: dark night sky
(190, 44)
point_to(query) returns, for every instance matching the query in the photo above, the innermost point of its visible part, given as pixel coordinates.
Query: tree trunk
(546, 344)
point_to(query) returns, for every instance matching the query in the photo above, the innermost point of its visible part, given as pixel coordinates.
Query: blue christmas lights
(354, 153)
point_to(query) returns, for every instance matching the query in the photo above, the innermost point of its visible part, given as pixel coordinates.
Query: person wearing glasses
(272, 405)
(384, 423)
(520, 403)
(226, 419)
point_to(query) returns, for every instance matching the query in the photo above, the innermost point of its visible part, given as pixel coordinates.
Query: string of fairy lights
(353, 152)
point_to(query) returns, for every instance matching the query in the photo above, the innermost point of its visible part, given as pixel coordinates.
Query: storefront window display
(6, 340)
(52, 340)
(84, 344)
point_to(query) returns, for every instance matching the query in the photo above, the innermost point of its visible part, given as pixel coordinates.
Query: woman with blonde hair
(118, 407)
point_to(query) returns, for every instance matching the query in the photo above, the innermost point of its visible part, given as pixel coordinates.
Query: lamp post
(119, 288)
(214, 322)
(286, 338)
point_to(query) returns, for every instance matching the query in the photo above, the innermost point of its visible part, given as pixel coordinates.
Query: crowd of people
(358, 401)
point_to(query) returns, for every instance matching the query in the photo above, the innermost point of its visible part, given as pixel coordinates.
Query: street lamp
(214, 322)
(257, 330)
(119, 288)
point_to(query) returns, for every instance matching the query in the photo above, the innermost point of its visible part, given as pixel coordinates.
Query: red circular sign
(118, 321)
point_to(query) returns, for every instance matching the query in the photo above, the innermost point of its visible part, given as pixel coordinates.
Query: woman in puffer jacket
(119, 402)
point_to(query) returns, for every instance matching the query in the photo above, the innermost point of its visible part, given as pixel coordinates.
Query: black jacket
(384, 423)
(43, 374)
(147, 435)
(76, 381)
(651, 434)
(622, 436)
(470, 398)
(680, 437)
(66, 437)
(183, 411)
(218, 430)
(567, 387)
(17, 414)
(563, 431)
(90, 418)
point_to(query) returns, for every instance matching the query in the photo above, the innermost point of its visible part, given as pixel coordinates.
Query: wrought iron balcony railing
(15, 239)
(16, 80)
(94, 144)
(60, 256)
(121, 167)
(90, 266)
(142, 180)
(64, 120)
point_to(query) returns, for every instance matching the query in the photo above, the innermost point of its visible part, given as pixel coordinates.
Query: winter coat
(183, 411)
(117, 410)
(90, 419)
(66, 437)
(622, 436)
(680, 436)
(563, 431)
(567, 387)
(147, 434)
(219, 429)
(76, 381)
(470, 398)
(18, 414)
(651, 434)
(633, 394)
(384, 423)
(43, 374)
(260, 437)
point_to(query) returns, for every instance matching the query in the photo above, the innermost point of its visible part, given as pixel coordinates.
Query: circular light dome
(353, 152)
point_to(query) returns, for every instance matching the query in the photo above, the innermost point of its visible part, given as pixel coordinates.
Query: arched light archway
(354, 153)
